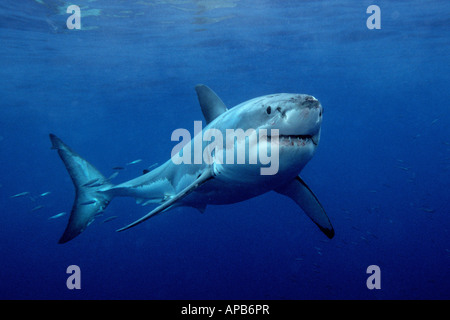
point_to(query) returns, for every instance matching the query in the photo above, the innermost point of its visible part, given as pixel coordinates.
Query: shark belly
(233, 186)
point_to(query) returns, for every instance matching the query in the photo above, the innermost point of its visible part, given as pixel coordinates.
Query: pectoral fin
(298, 191)
(205, 176)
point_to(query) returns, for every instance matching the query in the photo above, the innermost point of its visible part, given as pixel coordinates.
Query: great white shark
(295, 118)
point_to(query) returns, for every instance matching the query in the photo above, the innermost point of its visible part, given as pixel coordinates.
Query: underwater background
(117, 88)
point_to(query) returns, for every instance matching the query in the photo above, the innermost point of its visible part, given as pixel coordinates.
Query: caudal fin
(91, 196)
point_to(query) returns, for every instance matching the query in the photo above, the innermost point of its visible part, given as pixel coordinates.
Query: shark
(288, 125)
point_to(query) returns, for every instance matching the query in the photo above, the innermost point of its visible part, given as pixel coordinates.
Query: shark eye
(269, 110)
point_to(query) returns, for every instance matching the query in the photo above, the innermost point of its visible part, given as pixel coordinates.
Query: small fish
(148, 201)
(87, 202)
(115, 174)
(90, 182)
(57, 215)
(434, 121)
(109, 219)
(98, 184)
(429, 210)
(373, 235)
(52, 25)
(152, 166)
(403, 168)
(134, 162)
(45, 194)
(118, 168)
(20, 194)
(37, 208)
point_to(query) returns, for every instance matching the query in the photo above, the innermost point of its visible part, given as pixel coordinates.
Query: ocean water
(116, 89)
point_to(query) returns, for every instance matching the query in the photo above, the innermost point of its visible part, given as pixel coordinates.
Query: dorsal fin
(212, 106)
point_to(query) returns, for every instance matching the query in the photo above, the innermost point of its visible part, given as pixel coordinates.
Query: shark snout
(311, 103)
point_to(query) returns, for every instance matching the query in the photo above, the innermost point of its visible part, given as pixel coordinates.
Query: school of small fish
(90, 184)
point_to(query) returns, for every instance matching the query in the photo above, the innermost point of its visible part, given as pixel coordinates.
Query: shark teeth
(294, 140)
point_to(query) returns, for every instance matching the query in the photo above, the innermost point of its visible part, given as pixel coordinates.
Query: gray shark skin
(297, 117)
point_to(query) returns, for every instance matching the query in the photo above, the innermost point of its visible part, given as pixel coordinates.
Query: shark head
(297, 119)
(287, 127)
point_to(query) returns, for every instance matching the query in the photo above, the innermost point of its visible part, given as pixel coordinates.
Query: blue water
(116, 89)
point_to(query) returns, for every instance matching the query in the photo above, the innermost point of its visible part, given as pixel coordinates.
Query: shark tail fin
(91, 196)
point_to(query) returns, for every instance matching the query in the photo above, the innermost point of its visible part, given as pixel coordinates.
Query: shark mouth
(294, 140)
